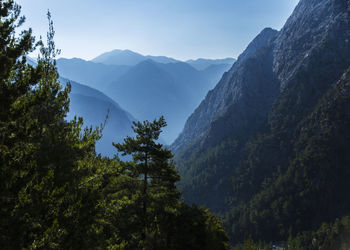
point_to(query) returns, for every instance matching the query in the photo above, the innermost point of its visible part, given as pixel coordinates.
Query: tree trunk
(144, 200)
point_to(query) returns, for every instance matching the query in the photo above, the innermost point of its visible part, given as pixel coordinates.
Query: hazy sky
(183, 29)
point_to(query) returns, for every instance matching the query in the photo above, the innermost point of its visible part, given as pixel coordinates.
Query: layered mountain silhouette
(152, 89)
(267, 140)
(148, 86)
(128, 57)
(94, 107)
(95, 75)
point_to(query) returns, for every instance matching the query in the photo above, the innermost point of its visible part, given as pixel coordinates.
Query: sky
(182, 29)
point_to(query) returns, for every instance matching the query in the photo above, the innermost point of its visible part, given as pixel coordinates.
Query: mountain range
(149, 86)
(266, 149)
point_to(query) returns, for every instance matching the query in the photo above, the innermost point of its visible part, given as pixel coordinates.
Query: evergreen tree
(152, 164)
(16, 80)
(41, 153)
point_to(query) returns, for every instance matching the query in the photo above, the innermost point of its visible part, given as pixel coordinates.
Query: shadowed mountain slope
(94, 106)
(248, 133)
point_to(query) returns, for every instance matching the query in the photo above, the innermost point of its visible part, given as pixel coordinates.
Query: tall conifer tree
(152, 164)
(40, 152)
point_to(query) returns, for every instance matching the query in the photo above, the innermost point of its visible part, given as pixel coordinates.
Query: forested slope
(267, 147)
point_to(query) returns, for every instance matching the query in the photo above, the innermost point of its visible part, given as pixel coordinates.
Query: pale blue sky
(183, 29)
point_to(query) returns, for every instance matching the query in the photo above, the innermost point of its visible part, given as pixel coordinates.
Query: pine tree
(153, 166)
(16, 79)
(41, 154)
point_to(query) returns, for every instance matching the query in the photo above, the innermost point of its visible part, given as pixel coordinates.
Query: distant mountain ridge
(152, 87)
(131, 58)
(95, 75)
(128, 57)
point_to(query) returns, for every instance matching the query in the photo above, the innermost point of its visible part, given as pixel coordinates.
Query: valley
(146, 86)
(134, 151)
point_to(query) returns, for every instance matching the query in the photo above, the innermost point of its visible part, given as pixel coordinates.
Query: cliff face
(313, 25)
(279, 73)
(245, 74)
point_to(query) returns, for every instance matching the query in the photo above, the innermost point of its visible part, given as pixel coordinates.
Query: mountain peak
(129, 58)
(119, 57)
(262, 39)
(312, 24)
